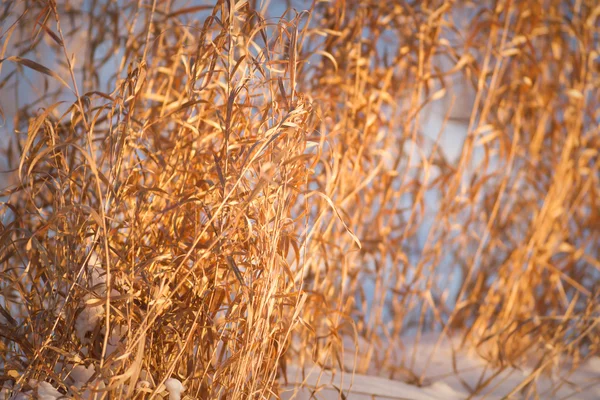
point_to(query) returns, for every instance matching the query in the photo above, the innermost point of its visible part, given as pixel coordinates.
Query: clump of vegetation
(210, 192)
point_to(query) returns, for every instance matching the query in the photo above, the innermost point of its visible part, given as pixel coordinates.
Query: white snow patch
(175, 388)
(442, 390)
(80, 375)
(91, 315)
(358, 387)
(48, 392)
(86, 321)
(118, 332)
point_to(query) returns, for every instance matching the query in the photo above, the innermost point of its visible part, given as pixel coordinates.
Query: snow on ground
(441, 381)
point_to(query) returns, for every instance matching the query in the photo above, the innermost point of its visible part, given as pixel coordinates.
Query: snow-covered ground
(442, 381)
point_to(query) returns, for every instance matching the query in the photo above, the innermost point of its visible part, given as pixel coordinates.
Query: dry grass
(218, 185)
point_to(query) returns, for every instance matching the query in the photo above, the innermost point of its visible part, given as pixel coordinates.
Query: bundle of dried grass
(204, 193)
